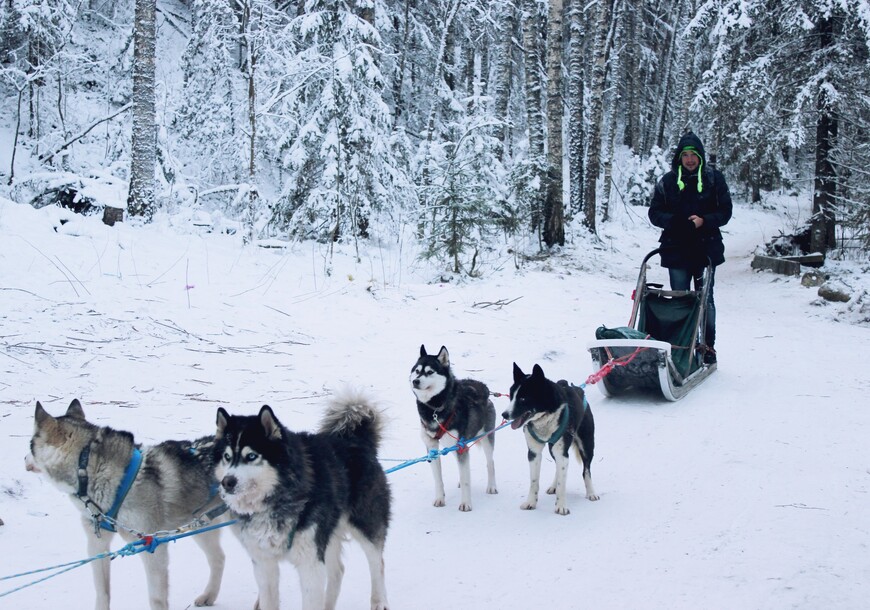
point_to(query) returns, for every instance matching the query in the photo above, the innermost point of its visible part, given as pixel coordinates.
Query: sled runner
(663, 345)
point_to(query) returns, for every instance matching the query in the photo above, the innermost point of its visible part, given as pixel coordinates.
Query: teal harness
(106, 520)
(563, 424)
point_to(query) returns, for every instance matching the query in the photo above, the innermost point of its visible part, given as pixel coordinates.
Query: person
(689, 203)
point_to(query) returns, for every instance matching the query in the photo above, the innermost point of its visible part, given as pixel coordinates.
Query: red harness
(442, 428)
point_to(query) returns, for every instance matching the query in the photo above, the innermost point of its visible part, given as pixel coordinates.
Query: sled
(662, 347)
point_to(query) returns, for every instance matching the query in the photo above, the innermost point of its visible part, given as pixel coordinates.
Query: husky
(167, 486)
(462, 410)
(554, 414)
(297, 495)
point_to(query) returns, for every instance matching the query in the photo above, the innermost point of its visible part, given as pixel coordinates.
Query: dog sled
(663, 346)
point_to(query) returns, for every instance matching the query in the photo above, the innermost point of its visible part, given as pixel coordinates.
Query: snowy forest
(465, 124)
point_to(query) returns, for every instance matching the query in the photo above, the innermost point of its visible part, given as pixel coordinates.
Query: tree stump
(112, 215)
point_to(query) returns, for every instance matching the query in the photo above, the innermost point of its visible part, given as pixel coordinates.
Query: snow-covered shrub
(642, 173)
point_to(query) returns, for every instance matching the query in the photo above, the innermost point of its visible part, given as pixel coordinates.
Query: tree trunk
(503, 76)
(398, 82)
(534, 109)
(15, 139)
(612, 71)
(554, 209)
(140, 201)
(666, 62)
(631, 136)
(576, 124)
(822, 236)
(441, 73)
(596, 110)
(251, 63)
(610, 143)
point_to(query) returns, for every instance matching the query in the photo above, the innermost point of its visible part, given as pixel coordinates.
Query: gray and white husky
(167, 485)
(297, 495)
(458, 408)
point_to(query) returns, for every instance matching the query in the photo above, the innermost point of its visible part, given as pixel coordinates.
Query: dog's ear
(443, 357)
(44, 421)
(222, 419)
(423, 351)
(537, 371)
(518, 374)
(270, 423)
(75, 410)
(40, 415)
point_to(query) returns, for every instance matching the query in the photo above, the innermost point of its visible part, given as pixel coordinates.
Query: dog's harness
(106, 520)
(563, 424)
(442, 428)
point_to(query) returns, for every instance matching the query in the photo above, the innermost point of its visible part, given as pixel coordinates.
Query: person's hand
(681, 225)
(697, 221)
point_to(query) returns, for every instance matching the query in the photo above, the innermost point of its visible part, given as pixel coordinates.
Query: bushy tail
(351, 414)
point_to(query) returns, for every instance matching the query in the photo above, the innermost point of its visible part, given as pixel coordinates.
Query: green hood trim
(682, 184)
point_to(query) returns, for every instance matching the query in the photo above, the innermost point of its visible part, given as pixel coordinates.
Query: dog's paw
(562, 510)
(528, 506)
(206, 599)
(551, 490)
(439, 502)
(491, 490)
(465, 507)
(593, 497)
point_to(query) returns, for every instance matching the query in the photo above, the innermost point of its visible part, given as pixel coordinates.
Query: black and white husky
(296, 496)
(554, 414)
(459, 409)
(167, 486)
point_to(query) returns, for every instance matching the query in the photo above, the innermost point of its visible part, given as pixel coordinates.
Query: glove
(681, 226)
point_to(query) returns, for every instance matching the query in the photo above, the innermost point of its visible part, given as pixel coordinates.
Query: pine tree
(209, 115)
(813, 55)
(337, 157)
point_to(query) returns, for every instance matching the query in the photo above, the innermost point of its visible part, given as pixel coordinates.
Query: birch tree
(554, 209)
(596, 114)
(576, 120)
(534, 108)
(143, 150)
(504, 73)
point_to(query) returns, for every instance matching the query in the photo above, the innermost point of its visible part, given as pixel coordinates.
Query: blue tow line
(148, 543)
(434, 454)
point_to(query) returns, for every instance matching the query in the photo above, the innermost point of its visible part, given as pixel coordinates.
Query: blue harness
(106, 520)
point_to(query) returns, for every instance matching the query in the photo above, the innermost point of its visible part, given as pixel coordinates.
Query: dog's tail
(353, 415)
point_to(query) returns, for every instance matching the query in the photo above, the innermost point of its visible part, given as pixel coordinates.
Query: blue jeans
(680, 279)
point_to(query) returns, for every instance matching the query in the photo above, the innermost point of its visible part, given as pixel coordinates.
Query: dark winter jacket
(684, 246)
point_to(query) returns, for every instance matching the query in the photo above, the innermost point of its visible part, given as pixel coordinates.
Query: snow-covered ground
(751, 492)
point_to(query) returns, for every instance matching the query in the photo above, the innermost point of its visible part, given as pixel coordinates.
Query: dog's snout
(506, 415)
(229, 483)
(30, 464)
(416, 382)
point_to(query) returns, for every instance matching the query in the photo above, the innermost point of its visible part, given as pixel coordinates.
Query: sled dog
(458, 409)
(554, 414)
(167, 486)
(297, 495)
